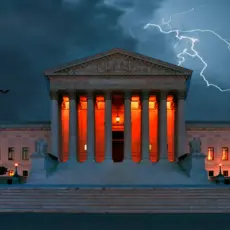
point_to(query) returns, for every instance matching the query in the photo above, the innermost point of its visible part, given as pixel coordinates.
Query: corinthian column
(145, 126)
(163, 126)
(108, 126)
(55, 126)
(72, 127)
(90, 126)
(127, 127)
(180, 120)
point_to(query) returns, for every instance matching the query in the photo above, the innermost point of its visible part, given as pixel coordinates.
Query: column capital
(90, 94)
(108, 95)
(127, 94)
(181, 95)
(163, 95)
(54, 95)
(145, 95)
(72, 94)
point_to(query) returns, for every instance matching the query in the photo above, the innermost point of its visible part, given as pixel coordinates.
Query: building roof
(82, 63)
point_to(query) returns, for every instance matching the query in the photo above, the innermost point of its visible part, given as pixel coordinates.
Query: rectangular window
(224, 153)
(210, 153)
(11, 172)
(11, 153)
(225, 172)
(210, 173)
(25, 153)
(25, 173)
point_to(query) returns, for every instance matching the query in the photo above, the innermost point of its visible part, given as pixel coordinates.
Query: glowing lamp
(85, 147)
(117, 119)
(16, 164)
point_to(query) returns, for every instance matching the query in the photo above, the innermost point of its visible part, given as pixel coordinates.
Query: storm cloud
(41, 34)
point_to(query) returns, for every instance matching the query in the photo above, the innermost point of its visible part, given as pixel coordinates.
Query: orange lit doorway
(118, 146)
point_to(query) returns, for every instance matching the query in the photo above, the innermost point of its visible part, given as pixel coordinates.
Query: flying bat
(4, 91)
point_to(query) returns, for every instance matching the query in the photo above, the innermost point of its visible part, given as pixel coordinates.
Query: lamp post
(220, 176)
(16, 176)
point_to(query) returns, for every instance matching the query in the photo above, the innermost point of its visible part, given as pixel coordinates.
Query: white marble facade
(215, 134)
(117, 70)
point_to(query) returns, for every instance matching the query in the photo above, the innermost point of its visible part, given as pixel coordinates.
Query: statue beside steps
(43, 164)
(193, 163)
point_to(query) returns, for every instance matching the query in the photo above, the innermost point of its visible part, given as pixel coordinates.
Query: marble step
(110, 192)
(120, 209)
(112, 200)
(128, 211)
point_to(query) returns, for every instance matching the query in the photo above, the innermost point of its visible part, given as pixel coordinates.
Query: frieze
(121, 82)
(208, 129)
(24, 129)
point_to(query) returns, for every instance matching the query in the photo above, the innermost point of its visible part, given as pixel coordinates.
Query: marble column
(180, 123)
(90, 126)
(55, 125)
(145, 126)
(163, 142)
(108, 126)
(72, 127)
(127, 127)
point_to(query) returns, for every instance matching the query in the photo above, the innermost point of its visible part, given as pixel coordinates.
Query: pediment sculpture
(118, 63)
(41, 148)
(195, 145)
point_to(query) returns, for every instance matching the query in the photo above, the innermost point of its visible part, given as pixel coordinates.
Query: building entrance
(118, 146)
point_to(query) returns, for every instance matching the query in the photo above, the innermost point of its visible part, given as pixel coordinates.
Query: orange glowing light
(16, 164)
(11, 173)
(100, 102)
(118, 119)
(220, 164)
(150, 147)
(170, 102)
(135, 102)
(225, 153)
(83, 102)
(65, 103)
(210, 153)
(152, 102)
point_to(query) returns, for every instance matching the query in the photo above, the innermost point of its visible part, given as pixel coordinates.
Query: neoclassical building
(116, 112)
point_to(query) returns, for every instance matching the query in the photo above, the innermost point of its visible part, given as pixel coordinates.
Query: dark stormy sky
(39, 34)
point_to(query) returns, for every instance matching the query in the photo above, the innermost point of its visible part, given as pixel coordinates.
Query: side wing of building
(18, 142)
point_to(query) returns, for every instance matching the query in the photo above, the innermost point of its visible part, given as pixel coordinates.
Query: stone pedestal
(38, 169)
(198, 172)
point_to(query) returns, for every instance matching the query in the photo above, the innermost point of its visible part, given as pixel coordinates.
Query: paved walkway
(44, 221)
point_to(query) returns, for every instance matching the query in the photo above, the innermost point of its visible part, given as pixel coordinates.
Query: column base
(146, 161)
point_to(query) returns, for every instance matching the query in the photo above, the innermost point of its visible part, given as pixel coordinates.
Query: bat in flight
(4, 91)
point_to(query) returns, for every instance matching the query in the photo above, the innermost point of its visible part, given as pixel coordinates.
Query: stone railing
(50, 164)
(43, 165)
(193, 164)
(185, 163)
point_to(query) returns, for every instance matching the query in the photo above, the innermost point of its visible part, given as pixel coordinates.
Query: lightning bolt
(190, 39)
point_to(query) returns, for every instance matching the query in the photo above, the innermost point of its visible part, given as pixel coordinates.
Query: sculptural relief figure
(41, 146)
(195, 145)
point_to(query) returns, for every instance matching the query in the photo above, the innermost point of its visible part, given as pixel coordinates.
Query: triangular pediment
(118, 61)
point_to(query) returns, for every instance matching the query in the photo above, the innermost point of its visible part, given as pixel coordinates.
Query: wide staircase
(115, 200)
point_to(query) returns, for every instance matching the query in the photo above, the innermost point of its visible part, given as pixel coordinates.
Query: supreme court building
(118, 106)
(117, 118)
